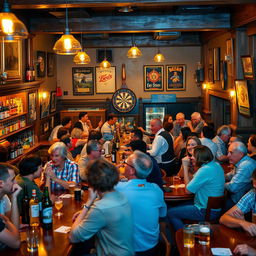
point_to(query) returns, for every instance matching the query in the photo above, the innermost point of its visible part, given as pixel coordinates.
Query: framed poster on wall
(105, 80)
(216, 64)
(242, 97)
(247, 64)
(153, 78)
(175, 77)
(41, 65)
(32, 97)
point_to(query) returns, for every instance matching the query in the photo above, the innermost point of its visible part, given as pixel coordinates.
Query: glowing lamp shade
(11, 28)
(134, 52)
(105, 64)
(67, 45)
(82, 58)
(159, 57)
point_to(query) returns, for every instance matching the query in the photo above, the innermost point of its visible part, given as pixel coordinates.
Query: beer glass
(188, 236)
(32, 239)
(78, 194)
(204, 233)
(71, 188)
(58, 205)
(176, 181)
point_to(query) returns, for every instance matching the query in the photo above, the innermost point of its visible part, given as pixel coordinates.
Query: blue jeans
(187, 211)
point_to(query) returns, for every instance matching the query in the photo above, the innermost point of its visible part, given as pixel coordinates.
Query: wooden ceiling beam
(131, 24)
(243, 15)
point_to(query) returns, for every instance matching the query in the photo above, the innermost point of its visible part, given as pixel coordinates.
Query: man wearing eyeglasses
(144, 198)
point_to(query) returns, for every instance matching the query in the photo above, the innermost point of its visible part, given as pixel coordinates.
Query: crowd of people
(189, 149)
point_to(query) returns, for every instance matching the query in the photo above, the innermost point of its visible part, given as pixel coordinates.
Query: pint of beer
(71, 187)
(188, 236)
(204, 233)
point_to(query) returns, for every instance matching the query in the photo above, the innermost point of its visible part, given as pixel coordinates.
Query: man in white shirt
(66, 123)
(162, 147)
(86, 123)
(108, 128)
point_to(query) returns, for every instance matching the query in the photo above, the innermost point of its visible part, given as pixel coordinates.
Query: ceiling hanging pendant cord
(67, 44)
(159, 57)
(105, 63)
(134, 52)
(11, 28)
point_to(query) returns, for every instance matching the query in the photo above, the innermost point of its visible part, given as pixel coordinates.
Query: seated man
(197, 123)
(108, 128)
(137, 134)
(65, 123)
(179, 123)
(61, 170)
(86, 123)
(238, 181)
(207, 135)
(9, 230)
(234, 217)
(93, 149)
(221, 140)
(146, 200)
(108, 217)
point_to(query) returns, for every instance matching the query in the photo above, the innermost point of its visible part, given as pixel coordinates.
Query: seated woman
(180, 141)
(107, 216)
(61, 170)
(168, 119)
(186, 160)
(208, 181)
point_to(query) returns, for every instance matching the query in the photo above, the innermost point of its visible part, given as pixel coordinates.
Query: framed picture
(247, 64)
(210, 75)
(224, 74)
(44, 107)
(216, 64)
(32, 97)
(242, 97)
(153, 78)
(46, 127)
(175, 77)
(229, 56)
(53, 102)
(41, 64)
(83, 80)
(51, 64)
(12, 60)
(105, 80)
(210, 57)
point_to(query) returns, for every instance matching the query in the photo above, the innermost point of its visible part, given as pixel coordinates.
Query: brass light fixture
(134, 52)
(126, 9)
(159, 57)
(67, 44)
(105, 63)
(11, 28)
(82, 57)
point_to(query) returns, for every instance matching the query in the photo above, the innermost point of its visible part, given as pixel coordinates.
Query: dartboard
(124, 100)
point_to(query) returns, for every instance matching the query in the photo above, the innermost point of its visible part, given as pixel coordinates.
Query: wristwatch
(86, 206)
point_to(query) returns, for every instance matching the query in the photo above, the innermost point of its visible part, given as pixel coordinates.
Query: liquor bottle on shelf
(46, 210)
(25, 206)
(34, 209)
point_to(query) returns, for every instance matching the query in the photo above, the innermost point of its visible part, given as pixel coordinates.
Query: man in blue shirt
(146, 200)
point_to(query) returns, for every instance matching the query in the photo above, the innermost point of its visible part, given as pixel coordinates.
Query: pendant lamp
(82, 57)
(134, 52)
(67, 44)
(11, 28)
(159, 57)
(105, 63)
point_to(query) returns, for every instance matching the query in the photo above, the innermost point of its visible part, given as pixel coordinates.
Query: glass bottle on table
(46, 210)
(25, 206)
(34, 209)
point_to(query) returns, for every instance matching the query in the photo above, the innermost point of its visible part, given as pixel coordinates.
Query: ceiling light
(159, 57)
(134, 52)
(82, 58)
(105, 64)
(126, 9)
(11, 28)
(67, 44)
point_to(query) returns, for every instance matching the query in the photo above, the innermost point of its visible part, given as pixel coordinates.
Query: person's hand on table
(249, 227)
(244, 249)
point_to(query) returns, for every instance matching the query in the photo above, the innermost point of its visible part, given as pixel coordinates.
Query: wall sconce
(232, 94)
(228, 59)
(205, 86)
(44, 95)
(199, 74)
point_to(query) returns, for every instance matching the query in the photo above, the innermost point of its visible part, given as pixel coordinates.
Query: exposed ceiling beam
(131, 24)
(243, 15)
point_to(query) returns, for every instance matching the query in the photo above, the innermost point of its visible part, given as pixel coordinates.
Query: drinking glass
(71, 188)
(204, 233)
(176, 181)
(32, 239)
(188, 236)
(58, 205)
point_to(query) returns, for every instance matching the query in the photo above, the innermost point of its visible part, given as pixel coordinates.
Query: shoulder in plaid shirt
(70, 172)
(247, 202)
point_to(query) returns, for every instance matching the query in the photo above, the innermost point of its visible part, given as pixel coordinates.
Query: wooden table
(51, 243)
(221, 236)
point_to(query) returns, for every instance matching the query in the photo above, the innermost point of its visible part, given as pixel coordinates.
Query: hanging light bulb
(11, 28)
(67, 44)
(134, 52)
(82, 58)
(159, 57)
(105, 64)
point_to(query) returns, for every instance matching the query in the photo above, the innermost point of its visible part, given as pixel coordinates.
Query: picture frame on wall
(32, 99)
(176, 77)
(242, 97)
(224, 74)
(51, 64)
(248, 69)
(53, 102)
(216, 64)
(44, 107)
(153, 77)
(12, 60)
(41, 63)
(105, 80)
(210, 75)
(83, 80)
(229, 56)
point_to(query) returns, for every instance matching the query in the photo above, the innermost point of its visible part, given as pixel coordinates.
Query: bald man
(197, 123)
(179, 123)
(162, 147)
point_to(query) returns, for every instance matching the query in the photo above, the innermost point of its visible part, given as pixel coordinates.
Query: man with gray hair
(179, 123)
(238, 181)
(144, 198)
(197, 123)
(221, 140)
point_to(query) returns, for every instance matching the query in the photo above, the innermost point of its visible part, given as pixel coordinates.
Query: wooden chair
(216, 202)
(163, 247)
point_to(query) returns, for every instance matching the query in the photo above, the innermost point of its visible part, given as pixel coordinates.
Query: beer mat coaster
(221, 251)
(179, 186)
(65, 196)
(63, 229)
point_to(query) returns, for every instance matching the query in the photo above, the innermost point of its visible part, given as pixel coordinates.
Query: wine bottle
(25, 206)
(34, 209)
(113, 154)
(46, 210)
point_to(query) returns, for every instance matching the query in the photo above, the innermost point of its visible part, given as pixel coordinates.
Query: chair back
(216, 202)
(163, 247)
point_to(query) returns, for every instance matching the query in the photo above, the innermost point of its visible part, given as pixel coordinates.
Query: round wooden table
(221, 237)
